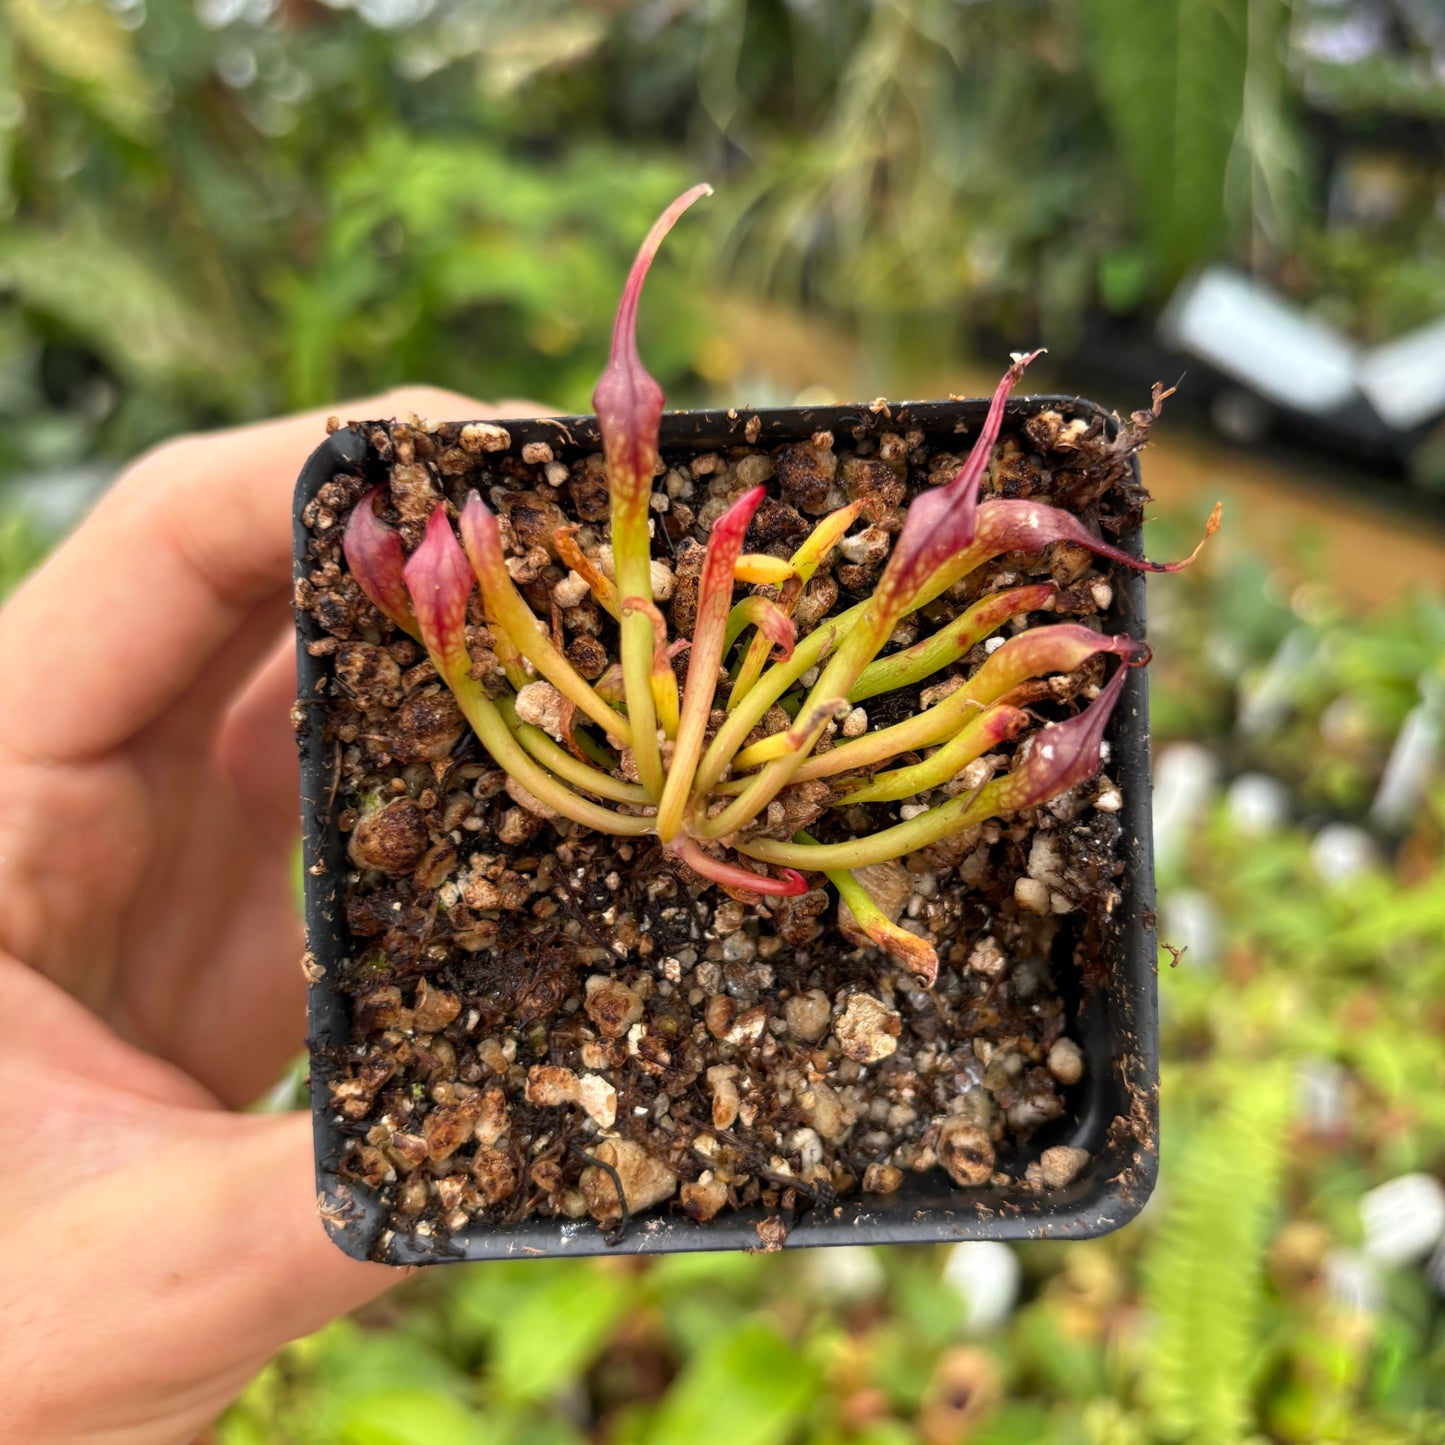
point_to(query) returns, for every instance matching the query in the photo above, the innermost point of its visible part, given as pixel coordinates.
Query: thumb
(216, 1257)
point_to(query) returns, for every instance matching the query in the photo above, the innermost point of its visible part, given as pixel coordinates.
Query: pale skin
(158, 1247)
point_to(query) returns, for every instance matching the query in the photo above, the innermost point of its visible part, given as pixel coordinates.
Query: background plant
(359, 193)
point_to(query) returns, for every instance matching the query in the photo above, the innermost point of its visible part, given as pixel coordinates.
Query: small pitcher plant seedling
(728, 767)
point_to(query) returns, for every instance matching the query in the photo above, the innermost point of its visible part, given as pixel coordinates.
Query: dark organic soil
(541, 1011)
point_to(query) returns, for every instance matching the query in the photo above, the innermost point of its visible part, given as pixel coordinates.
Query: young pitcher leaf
(984, 731)
(664, 679)
(759, 568)
(482, 538)
(950, 642)
(1060, 647)
(1019, 526)
(773, 624)
(941, 522)
(734, 875)
(602, 588)
(1061, 756)
(439, 581)
(377, 560)
(629, 401)
(804, 563)
(868, 919)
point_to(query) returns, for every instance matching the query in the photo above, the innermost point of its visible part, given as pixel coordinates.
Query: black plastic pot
(1115, 1118)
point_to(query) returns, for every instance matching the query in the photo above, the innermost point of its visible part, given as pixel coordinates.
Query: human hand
(158, 1247)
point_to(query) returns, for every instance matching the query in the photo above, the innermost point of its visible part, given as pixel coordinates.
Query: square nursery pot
(1105, 974)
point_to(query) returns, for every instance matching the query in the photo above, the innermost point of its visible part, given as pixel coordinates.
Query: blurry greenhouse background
(215, 210)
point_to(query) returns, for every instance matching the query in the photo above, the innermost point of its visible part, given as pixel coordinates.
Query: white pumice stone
(484, 436)
(1061, 1164)
(1066, 1061)
(540, 704)
(988, 957)
(1032, 895)
(570, 590)
(662, 581)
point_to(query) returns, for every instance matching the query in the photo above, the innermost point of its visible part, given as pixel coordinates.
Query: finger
(189, 726)
(256, 747)
(240, 1016)
(127, 611)
(216, 1258)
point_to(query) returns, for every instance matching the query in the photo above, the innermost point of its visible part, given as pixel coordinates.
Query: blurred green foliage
(219, 209)
(223, 211)
(1307, 689)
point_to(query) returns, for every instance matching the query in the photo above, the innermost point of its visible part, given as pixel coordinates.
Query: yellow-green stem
(876, 925)
(492, 731)
(976, 738)
(895, 842)
(770, 687)
(554, 756)
(632, 556)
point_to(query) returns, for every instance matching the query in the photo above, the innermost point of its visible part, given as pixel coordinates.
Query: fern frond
(1204, 1273)
(1191, 87)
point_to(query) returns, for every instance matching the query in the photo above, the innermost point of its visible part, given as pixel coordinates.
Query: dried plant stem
(876, 925)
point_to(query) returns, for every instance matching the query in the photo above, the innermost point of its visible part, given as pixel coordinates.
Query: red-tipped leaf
(508, 613)
(941, 522)
(1017, 526)
(377, 560)
(715, 586)
(1041, 650)
(773, 624)
(628, 400)
(629, 407)
(734, 876)
(439, 580)
(1061, 756)
(664, 680)
(714, 600)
